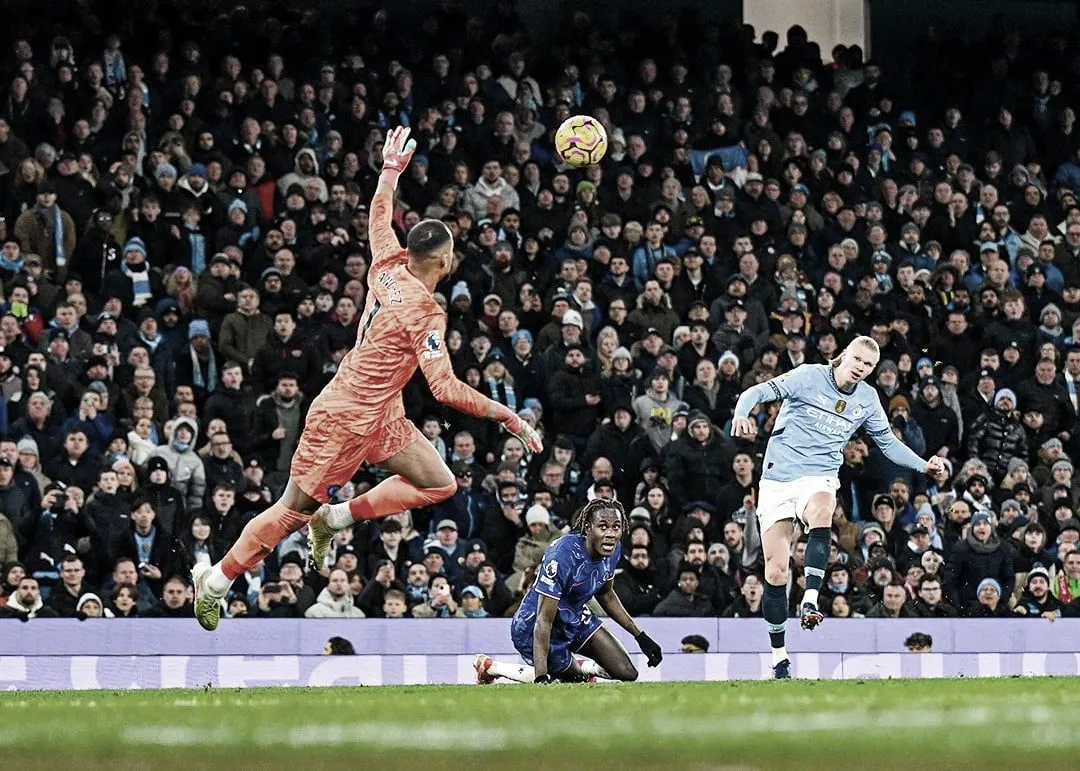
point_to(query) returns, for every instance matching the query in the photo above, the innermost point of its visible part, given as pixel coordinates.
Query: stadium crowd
(183, 216)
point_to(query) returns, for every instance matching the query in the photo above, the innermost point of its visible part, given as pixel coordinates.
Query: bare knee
(818, 516)
(627, 673)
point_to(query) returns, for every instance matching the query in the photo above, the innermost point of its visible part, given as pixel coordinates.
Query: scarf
(198, 250)
(508, 397)
(979, 547)
(9, 265)
(140, 283)
(209, 383)
(54, 221)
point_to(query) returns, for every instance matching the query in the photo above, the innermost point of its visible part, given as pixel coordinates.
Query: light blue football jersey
(816, 420)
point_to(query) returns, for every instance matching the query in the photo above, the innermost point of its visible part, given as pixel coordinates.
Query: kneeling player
(553, 623)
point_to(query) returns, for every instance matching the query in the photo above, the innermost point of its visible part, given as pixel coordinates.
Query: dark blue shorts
(565, 641)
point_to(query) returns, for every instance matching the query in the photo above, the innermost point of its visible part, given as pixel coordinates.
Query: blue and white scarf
(209, 383)
(58, 237)
(198, 250)
(140, 284)
(509, 398)
(11, 266)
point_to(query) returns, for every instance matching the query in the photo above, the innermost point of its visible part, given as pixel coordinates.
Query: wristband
(390, 176)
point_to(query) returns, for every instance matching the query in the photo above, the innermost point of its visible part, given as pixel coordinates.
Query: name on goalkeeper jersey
(389, 283)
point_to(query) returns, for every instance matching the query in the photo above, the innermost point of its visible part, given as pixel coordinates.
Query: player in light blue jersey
(823, 405)
(554, 621)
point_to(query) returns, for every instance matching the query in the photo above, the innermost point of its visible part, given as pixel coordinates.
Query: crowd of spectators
(184, 227)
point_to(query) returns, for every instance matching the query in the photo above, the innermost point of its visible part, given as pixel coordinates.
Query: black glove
(544, 680)
(650, 648)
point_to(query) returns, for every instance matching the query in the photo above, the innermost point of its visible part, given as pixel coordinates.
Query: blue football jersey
(816, 420)
(568, 574)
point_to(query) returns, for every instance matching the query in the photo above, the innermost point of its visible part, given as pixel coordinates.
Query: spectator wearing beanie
(980, 554)
(997, 437)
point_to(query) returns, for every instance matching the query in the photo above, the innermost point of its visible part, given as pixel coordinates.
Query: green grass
(803, 725)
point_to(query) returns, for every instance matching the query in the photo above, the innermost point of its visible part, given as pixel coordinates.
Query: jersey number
(375, 308)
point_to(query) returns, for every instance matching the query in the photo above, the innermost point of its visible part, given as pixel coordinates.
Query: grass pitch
(803, 725)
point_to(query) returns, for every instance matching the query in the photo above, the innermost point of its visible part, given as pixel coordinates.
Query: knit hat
(926, 510)
(899, 402)
(1004, 393)
(537, 515)
(460, 289)
(1049, 308)
(198, 328)
(27, 445)
(585, 185)
(622, 352)
(1050, 444)
(1011, 503)
(1014, 464)
(521, 334)
(135, 244)
(165, 170)
(89, 597)
(728, 355)
(1063, 463)
(197, 170)
(156, 463)
(1038, 570)
(981, 516)
(988, 582)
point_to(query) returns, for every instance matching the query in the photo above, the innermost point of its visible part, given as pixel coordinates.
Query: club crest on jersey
(552, 569)
(856, 411)
(840, 406)
(433, 345)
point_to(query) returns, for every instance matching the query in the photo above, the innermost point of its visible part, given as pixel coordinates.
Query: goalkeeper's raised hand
(398, 150)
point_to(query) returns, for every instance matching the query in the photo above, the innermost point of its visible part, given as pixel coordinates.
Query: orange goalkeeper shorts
(330, 451)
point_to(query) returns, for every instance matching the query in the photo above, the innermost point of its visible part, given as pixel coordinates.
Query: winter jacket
(529, 552)
(9, 546)
(638, 590)
(327, 607)
(696, 471)
(118, 284)
(919, 609)
(971, 561)
(680, 605)
(624, 449)
(242, 335)
(186, 470)
(566, 393)
(996, 439)
(939, 426)
(277, 356)
(37, 238)
(237, 407)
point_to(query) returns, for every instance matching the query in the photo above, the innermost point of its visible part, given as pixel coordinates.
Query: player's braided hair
(584, 515)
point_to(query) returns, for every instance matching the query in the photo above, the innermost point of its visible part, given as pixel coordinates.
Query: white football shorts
(778, 501)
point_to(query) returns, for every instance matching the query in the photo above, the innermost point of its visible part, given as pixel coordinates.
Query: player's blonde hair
(863, 341)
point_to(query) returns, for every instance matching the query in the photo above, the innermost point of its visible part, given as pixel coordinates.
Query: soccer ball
(581, 140)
